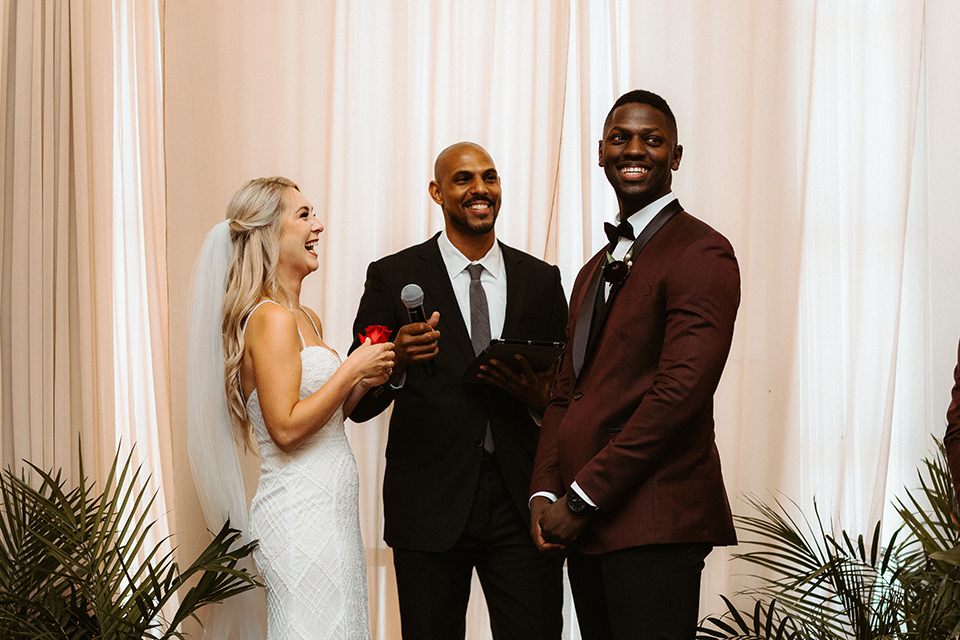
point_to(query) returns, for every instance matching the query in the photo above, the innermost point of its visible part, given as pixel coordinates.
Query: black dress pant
(523, 588)
(641, 593)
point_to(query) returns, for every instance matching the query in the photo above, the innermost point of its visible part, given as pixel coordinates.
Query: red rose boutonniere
(377, 334)
(616, 271)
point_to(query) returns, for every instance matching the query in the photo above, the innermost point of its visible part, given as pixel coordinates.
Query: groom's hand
(560, 525)
(414, 343)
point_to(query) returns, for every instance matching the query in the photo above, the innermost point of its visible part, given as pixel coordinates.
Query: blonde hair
(256, 224)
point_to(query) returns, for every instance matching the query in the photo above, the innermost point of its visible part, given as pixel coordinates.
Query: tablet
(540, 355)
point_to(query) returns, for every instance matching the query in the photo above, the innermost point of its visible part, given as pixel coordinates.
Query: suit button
(478, 442)
(578, 395)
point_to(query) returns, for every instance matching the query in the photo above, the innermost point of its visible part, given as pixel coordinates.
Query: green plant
(69, 563)
(834, 586)
(743, 626)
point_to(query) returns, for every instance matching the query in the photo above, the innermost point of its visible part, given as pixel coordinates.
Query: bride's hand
(372, 363)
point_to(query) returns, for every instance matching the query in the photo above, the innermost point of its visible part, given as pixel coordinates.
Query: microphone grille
(411, 296)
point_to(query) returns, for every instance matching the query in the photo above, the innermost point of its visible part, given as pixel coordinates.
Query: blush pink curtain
(820, 138)
(83, 281)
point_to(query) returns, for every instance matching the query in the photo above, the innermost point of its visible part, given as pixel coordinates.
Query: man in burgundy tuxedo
(952, 438)
(627, 475)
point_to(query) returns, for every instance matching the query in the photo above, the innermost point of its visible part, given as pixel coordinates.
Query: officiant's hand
(528, 386)
(415, 343)
(539, 506)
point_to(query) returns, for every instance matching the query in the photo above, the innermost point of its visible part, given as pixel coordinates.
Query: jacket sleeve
(546, 470)
(558, 317)
(376, 307)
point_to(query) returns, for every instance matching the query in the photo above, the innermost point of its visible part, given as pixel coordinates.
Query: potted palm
(819, 584)
(69, 564)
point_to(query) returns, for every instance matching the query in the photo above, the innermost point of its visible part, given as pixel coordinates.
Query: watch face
(575, 503)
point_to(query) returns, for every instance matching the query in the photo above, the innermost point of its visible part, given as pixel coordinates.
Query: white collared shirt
(639, 221)
(493, 278)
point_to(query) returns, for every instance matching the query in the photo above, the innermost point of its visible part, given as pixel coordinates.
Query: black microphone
(412, 298)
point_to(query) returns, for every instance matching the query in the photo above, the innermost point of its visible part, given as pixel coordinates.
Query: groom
(459, 456)
(627, 473)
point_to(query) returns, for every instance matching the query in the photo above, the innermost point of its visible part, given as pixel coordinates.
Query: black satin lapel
(581, 334)
(439, 296)
(662, 218)
(517, 282)
(582, 339)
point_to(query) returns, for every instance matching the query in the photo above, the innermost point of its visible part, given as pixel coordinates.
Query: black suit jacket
(435, 444)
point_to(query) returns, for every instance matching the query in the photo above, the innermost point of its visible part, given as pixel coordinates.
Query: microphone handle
(416, 315)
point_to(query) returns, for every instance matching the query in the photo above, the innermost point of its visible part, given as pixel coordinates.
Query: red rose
(377, 334)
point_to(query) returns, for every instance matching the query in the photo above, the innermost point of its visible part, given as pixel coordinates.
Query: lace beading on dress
(306, 515)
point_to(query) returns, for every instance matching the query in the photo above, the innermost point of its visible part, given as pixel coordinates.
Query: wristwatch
(576, 504)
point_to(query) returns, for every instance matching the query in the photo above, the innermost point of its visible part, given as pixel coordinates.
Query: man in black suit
(459, 455)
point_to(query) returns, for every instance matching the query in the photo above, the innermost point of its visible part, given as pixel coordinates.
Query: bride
(281, 384)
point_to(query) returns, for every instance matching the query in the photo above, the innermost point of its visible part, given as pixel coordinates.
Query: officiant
(460, 455)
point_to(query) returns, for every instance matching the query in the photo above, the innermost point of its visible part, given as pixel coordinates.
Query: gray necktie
(479, 327)
(479, 313)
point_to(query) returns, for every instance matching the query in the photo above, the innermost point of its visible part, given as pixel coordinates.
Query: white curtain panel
(819, 137)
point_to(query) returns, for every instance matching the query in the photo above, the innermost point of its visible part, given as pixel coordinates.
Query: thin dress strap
(303, 344)
(310, 318)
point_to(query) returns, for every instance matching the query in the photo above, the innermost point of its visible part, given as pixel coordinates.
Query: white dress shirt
(493, 278)
(639, 221)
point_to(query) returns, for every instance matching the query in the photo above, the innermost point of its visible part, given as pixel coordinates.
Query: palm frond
(834, 585)
(76, 563)
(763, 624)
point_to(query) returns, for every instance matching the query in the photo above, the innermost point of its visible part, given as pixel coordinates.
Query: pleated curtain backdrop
(55, 333)
(83, 288)
(819, 137)
(807, 142)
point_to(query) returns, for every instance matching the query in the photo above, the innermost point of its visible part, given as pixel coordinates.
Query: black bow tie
(616, 231)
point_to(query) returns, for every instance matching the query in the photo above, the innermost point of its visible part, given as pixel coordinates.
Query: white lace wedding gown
(306, 515)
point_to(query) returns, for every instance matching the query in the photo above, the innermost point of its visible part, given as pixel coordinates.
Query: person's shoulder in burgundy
(952, 438)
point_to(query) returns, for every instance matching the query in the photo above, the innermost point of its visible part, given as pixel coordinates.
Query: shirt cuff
(536, 417)
(403, 380)
(586, 498)
(552, 497)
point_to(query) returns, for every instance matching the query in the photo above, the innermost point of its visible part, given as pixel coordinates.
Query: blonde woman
(282, 385)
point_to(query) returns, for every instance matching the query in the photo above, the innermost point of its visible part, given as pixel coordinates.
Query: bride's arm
(361, 388)
(273, 345)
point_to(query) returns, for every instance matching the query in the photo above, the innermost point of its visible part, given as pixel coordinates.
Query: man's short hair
(642, 96)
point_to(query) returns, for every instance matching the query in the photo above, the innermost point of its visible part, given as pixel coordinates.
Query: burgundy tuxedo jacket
(952, 438)
(634, 428)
